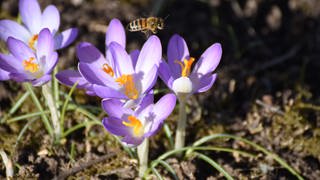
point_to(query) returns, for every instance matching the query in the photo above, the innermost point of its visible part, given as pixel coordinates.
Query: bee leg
(154, 31)
(146, 33)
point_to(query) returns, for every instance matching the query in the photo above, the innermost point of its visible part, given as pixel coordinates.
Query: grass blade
(26, 116)
(78, 126)
(37, 103)
(16, 106)
(23, 130)
(215, 165)
(169, 168)
(168, 133)
(65, 104)
(155, 172)
(254, 145)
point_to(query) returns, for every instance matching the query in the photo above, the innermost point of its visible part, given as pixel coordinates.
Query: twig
(278, 60)
(69, 172)
(269, 107)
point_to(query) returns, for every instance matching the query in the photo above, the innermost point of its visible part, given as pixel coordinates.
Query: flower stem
(48, 94)
(181, 126)
(143, 152)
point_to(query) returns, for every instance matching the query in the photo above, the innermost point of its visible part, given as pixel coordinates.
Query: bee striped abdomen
(137, 25)
(146, 25)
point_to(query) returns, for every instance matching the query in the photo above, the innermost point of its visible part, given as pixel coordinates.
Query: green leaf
(45, 120)
(215, 165)
(65, 104)
(254, 145)
(26, 116)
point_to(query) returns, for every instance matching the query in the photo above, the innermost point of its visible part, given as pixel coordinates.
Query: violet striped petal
(209, 60)
(65, 38)
(10, 28)
(31, 15)
(51, 19)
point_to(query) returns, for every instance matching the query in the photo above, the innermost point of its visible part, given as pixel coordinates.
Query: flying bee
(146, 25)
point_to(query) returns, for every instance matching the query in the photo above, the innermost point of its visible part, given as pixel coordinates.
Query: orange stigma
(32, 41)
(107, 69)
(185, 66)
(127, 82)
(135, 124)
(30, 66)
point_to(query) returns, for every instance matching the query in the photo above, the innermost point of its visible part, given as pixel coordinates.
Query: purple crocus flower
(115, 33)
(25, 65)
(136, 125)
(119, 75)
(33, 22)
(177, 72)
(4, 75)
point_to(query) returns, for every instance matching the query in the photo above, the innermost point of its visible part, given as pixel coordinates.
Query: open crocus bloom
(136, 125)
(25, 65)
(119, 75)
(33, 22)
(177, 73)
(115, 33)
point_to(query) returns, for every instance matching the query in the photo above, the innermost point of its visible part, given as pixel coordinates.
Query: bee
(146, 25)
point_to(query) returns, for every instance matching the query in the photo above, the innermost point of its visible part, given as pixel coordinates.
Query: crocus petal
(134, 57)
(65, 38)
(4, 75)
(51, 19)
(114, 108)
(123, 60)
(70, 77)
(209, 60)
(150, 55)
(44, 79)
(45, 44)
(19, 49)
(149, 79)
(20, 77)
(51, 62)
(144, 102)
(31, 15)
(165, 74)
(88, 53)
(131, 141)
(177, 50)
(114, 125)
(205, 83)
(116, 33)
(10, 28)
(96, 75)
(168, 101)
(10, 63)
(107, 92)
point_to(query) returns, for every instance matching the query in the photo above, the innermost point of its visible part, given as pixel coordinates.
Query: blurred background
(268, 83)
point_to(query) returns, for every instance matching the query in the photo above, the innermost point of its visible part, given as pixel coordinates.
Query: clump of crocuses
(32, 55)
(125, 83)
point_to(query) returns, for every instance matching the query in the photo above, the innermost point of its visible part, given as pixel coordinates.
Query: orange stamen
(127, 82)
(32, 41)
(185, 66)
(135, 124)
(30, 66)
(107, 69)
